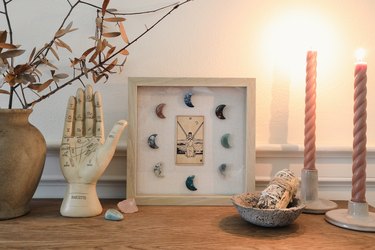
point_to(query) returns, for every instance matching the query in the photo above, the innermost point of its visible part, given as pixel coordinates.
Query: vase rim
(28, 111)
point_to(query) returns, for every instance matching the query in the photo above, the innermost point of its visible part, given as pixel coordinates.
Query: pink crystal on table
(128, 206)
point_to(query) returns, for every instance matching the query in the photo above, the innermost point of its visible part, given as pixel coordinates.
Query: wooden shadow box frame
(221, 161)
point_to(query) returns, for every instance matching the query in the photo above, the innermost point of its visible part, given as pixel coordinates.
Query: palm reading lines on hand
(79, 151)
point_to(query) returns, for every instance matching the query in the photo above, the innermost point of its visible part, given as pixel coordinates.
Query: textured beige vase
(22, 157)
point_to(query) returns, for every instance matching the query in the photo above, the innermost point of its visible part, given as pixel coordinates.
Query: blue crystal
(113, 214)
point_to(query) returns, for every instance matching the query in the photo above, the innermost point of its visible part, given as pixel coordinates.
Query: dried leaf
(74, 61)
(10, 79)
(8, 46)
(114, 19)
(62, 44)
(94, 62)
(61, 76)
(28, 78)
(46, 62)
(84, 69)
(99, 46)
(97, 78)
(104, 6)
(60, 33)
(69, 26)
(2, 91)
(21, 68)
(71, 30)
(105, 43)
(98, 22)
(111, 34)
(3, 36)
(124, 36)
(94, 76)
(110, 45)
(19, 79)
(109, 52)
(92, 58)
(32, 54)
(87, 52)
(11, 53)
(111, 66)
(40, 87)
(124, 52)
(55, 53)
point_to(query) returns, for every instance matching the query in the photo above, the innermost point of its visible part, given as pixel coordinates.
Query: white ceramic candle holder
(309, 194)
(356, 217)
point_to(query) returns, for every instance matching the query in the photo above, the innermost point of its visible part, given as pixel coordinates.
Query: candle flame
(360, 54)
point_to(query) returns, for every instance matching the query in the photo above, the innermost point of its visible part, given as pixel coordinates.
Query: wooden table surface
(172, 227)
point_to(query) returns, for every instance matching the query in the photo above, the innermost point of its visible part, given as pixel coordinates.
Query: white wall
(264, 39)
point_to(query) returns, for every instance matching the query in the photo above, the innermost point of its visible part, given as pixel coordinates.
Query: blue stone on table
(113, 214)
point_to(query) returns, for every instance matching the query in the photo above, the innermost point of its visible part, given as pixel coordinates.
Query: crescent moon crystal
(159, 110)
(151, 141)
(222, 168)
(225, 141)
(187, 100)
(219, 111)
(190, 183)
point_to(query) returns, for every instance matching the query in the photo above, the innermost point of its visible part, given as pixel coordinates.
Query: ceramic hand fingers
(84, 115)
(69, 118)
(99, 123)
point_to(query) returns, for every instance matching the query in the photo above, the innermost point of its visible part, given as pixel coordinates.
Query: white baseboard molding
(335, 189)
(333, 164)
(107, 188)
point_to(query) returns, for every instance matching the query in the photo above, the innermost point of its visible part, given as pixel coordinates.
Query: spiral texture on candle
(310, 106)
(359, 134)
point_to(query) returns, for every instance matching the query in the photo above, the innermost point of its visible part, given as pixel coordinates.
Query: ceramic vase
(22, 157)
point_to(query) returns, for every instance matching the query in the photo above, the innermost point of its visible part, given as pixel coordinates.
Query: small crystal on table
(113, 214)
(128, 206)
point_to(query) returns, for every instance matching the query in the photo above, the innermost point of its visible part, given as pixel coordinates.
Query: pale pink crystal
(128, 206)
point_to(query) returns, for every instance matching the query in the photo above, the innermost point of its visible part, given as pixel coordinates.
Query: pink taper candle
(359, 133)
(310, 106)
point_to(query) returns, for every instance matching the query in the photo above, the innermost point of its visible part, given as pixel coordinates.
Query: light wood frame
(135, 83)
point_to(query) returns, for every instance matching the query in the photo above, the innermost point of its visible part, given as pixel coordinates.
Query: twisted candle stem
(359, 133)
(310, 106)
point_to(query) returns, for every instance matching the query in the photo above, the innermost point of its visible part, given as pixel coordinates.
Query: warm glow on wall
(290, 33)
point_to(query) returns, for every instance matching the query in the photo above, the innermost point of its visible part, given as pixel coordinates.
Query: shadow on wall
(278, 128)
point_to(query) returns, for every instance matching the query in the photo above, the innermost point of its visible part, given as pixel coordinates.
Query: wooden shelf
(172, 227)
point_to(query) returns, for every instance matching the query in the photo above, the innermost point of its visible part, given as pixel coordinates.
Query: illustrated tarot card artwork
(189, 140)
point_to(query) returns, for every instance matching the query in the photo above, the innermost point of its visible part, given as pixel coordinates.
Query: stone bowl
(245, 204)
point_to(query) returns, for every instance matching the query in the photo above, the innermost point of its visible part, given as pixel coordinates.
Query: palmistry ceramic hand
(84, 155)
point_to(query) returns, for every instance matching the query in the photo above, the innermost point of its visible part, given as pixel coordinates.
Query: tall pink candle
(359, 133)
(310, 106)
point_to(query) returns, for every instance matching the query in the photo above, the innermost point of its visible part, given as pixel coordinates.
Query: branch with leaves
(97, 62)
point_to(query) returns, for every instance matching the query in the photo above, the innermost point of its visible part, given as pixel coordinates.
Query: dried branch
(102, 57)
(131, 13)
(78, 77)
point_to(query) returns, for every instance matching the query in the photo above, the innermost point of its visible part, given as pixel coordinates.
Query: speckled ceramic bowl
(245, 204)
